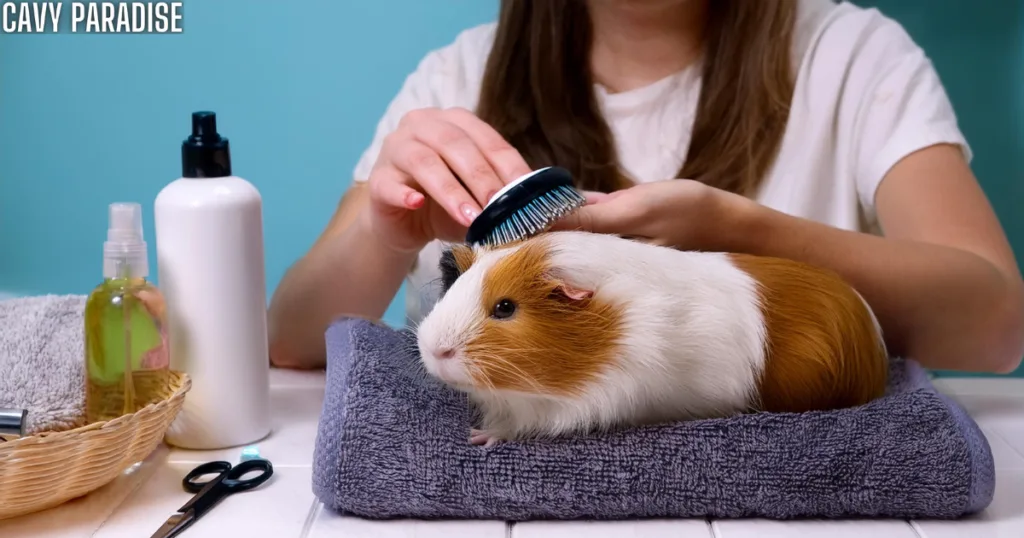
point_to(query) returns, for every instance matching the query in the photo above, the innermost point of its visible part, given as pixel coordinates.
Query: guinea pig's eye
(503, 309)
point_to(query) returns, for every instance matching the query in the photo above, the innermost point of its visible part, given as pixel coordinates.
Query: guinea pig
(572, 332)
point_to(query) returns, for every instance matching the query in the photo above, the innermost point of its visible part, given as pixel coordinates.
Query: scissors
(228, 480)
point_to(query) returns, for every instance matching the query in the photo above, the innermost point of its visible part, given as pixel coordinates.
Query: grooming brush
(526, 207)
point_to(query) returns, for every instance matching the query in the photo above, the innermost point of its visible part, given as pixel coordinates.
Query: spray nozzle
(124, 252)
(205, 153)
(204, 126)
(125, 222)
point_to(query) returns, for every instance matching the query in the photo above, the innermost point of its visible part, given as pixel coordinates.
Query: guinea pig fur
(572, 332)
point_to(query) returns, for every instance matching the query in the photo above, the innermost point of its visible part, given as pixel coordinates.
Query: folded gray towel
(42, 366)
(393, 444)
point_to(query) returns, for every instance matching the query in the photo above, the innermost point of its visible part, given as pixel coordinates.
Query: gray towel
(392, 444)
(42, 363)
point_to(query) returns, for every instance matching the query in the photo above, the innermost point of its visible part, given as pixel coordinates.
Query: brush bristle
(536, 216)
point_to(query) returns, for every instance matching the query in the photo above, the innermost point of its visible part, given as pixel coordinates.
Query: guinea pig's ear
(454, 261)
(565, 291)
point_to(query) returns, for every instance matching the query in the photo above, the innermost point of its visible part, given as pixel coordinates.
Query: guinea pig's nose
(445, 353)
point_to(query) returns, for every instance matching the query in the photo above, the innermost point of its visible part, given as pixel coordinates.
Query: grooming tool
(227, 480)
(12, 423)
(526, 207)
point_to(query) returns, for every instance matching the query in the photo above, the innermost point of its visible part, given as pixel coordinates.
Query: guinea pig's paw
(482, 437)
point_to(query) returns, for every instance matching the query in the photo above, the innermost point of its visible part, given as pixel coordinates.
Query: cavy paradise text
(91, 17)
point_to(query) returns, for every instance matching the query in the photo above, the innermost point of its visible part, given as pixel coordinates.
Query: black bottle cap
(205, 152)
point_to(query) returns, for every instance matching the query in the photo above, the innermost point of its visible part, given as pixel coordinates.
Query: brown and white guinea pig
(570, 332)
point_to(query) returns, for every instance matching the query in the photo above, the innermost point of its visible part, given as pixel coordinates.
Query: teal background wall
(298, 87)
(86, 120)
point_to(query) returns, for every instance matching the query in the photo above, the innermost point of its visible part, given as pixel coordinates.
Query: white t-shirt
(866, 96)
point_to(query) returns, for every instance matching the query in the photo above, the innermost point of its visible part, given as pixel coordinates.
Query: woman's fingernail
(469, 212)
(413, 199)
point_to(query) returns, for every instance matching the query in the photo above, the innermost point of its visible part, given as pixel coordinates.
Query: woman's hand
(433, 175)
(678, 213)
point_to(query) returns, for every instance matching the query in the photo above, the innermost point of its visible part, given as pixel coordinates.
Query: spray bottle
(209, 246)
(125, 331)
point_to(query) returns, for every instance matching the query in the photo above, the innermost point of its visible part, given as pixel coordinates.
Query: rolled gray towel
(42, 362)
(391, 444)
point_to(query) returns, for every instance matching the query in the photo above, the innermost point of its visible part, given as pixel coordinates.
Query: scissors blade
(174, 525)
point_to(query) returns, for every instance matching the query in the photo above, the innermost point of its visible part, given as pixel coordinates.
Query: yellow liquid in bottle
(126, 348)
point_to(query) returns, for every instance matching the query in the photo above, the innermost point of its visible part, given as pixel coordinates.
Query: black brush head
(526, 207)
(449, 270)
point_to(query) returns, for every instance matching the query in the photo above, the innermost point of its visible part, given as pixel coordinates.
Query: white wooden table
(137, 503)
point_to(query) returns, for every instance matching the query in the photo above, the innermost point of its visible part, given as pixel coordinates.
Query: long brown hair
(538, 92)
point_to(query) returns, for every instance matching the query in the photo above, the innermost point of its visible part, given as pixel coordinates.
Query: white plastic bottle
(210, 267)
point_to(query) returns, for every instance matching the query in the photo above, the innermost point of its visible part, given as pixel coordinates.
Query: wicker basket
(45, 470)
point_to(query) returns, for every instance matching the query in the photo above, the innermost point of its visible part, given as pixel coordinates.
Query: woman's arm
(347, 271)
(430, 177)
(943, 281)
